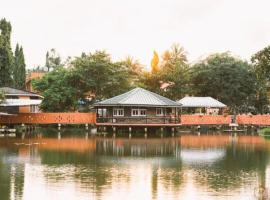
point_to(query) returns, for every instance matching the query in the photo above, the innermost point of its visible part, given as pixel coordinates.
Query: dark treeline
(242, 85)
(12, 66)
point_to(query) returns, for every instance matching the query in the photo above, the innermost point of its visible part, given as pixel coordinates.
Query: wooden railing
(139, 120)
(49, 118)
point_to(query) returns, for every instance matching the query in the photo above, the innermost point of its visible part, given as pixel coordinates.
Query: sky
(136, 28)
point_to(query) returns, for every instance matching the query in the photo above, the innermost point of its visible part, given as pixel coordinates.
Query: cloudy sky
(137, 27)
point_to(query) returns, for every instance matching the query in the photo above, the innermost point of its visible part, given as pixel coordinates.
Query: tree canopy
(225, 78)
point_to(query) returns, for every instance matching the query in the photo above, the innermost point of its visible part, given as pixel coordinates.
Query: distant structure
(201, 105)
(19, 101)
(30, 77)
(138, 107)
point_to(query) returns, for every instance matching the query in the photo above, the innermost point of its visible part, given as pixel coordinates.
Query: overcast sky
(137, 27)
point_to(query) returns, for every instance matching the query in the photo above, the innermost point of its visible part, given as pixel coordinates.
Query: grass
(265, 131)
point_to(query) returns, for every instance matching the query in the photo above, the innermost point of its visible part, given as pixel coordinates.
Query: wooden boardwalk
(90, 118)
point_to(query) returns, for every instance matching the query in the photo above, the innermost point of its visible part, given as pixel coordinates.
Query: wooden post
(145, 132)
(86, 126)
(59, 126)
(173, 131)
(161, 130)
(129, 132)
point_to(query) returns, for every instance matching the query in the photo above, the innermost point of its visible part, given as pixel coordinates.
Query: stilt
(145, 132)
(59, 126)
(59, 135)
(129, 135)
(86, 126)
(161, 130)
(173, 131)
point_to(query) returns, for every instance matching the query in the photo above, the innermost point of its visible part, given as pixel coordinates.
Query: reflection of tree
(234, 168)
(11, 176)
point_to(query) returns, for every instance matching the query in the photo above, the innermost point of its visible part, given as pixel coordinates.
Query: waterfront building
(138, 107)
(201, 105)
(19, 101)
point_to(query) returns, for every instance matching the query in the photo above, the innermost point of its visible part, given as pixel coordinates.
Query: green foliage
(6, 57)
(97, 74)
(172, 79)
(59, 96)
(53, 60)
(19, 71)
(227, 79)
(93, 75)
(261, 69)
(2, 96)
(265, 131)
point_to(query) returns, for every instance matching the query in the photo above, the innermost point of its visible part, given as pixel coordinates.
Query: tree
(53, 60)
(261, 68)
(58, 93)
(2, 96)
(173, 74)
(6, 57)
(227, 79)
(19, 71)
(95, 73)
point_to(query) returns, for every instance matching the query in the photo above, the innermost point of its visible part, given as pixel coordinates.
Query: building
(138, 107)
(30, 77)
(201, 105)
(19, 101)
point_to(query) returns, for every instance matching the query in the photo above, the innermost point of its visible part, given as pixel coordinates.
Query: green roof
(139, 97)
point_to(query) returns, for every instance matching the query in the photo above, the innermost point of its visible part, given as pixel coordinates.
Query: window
(102, 112)
(159, 112)
(34, 109)
(138, 112)
(118, 112)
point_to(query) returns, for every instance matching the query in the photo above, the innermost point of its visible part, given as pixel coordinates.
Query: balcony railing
(139, 120)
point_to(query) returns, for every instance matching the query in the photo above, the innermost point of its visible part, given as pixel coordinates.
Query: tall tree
(19, 71)
(227, 79)
(53, 60)
(6, 57)
(261, 68)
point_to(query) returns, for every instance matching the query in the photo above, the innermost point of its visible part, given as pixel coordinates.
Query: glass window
(138, 112)
(159, 112)
(118, 112)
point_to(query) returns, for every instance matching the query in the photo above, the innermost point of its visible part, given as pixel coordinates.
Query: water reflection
(78, 166)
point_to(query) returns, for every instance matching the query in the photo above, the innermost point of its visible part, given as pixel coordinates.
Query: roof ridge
(135, 90)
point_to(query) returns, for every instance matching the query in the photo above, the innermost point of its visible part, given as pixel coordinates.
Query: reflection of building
(30, 77)
(137, 107)
(19, 101)
(206, 105)
(139, 147)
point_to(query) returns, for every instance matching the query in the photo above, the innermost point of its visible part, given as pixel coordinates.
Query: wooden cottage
(138, 107)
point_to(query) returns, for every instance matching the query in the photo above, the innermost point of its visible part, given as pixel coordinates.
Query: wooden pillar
(145, 132)
(161, 130)
(173, 129)
(59, 126)
(129, 132)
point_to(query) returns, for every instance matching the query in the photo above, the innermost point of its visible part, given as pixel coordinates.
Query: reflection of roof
(15, 92)
(199, 102)
(139, 97)
(20, 102)
(201, 156)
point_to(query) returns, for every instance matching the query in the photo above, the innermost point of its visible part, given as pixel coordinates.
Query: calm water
(78, 166)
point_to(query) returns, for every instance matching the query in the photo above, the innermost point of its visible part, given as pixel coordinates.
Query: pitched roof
(199, 102)
(139, 97)
(15, 92)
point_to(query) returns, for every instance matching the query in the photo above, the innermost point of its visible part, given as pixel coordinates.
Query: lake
(75, 165)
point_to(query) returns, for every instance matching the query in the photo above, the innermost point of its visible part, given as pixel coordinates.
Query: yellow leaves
(154, 62)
